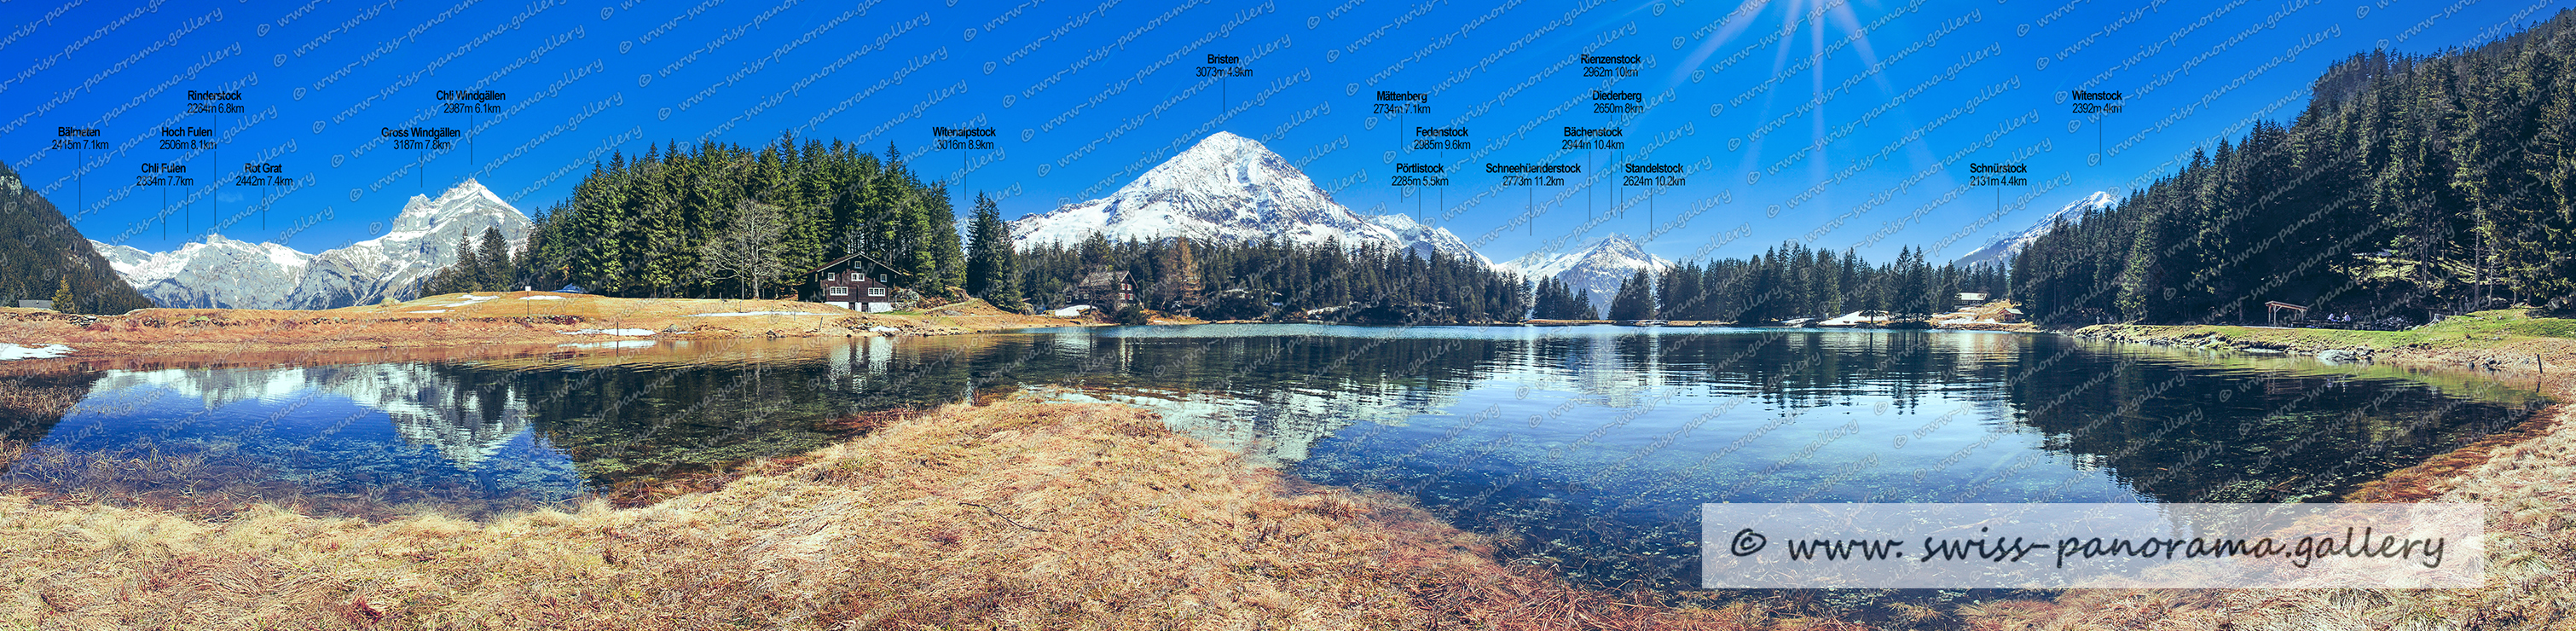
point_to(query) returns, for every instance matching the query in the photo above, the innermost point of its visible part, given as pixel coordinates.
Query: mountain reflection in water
(1594, 445)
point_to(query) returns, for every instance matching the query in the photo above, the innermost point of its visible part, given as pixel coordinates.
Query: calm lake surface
(1596, 444)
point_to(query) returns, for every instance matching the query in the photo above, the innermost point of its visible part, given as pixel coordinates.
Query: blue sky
(1839, 123)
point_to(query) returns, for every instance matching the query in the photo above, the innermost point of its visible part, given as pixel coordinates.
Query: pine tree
(988, 248)
(64, 301)
(467, 273)
(992, 266)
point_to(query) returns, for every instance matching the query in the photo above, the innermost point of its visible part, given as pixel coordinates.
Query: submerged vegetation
(1012, 515)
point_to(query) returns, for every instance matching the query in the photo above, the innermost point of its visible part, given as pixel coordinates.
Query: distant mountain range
(1229, 188)
(2004, 248)
(226, 273)
(1594, 271)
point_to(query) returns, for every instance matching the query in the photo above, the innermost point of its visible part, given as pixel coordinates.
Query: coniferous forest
(1280, 281)
(1792, 281)
(2410, 187)
(661, 224)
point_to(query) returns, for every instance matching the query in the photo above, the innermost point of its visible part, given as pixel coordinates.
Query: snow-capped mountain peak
(1232, 189)
(2005, 247)
(1594, 271)
(423, 215)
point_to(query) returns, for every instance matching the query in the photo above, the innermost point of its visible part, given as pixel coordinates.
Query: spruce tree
(64, 301)
(1635, 299)
(497, 273)
(467, 273)
(991, 264)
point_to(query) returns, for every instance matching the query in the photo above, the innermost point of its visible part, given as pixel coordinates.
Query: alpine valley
(225, 273)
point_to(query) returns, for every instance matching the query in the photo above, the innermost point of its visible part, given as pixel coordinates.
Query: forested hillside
(2411, 186)
(43, 258)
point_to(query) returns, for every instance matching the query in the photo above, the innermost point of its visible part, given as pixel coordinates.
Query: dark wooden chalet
(858, 283)
(1106, 290)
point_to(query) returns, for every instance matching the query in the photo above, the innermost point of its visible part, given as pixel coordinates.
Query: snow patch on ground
(475, 298)
(746, 313)
(1851, 319)
(542, 298)
(608, 332)
(1072, 311)
(39, 351)
(884, 329)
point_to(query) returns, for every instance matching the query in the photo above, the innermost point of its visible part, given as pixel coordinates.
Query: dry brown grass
(449, 320)
(1016, 515)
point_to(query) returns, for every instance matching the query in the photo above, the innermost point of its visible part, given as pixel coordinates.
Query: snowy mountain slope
(1229, 188)
(423, 239)
(1594, 271)
(220, 272)
(122, 258)
(1426, 239)
(2004, 248)
(214, 273)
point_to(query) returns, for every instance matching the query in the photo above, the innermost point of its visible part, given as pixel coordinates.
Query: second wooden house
(859, 283)
(1106, 290)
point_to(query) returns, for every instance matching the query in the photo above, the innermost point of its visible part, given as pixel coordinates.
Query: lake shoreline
(1081, 436)
(499, 318)
(2503, 357)
(540, 317)
(2525, 477)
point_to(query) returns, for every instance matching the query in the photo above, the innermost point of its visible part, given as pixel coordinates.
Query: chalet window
(840, 291)
(882, 278)
(876, 291)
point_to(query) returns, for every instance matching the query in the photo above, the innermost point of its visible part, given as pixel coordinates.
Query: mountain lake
(1594, 445)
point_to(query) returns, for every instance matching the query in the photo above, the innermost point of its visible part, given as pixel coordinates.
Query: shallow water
(1594, 444)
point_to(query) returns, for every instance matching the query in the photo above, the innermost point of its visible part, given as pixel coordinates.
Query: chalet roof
(1102, 279)
(846, 259)
(2283, 305)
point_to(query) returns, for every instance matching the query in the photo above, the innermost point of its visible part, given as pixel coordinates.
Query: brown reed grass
(1016, 515)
